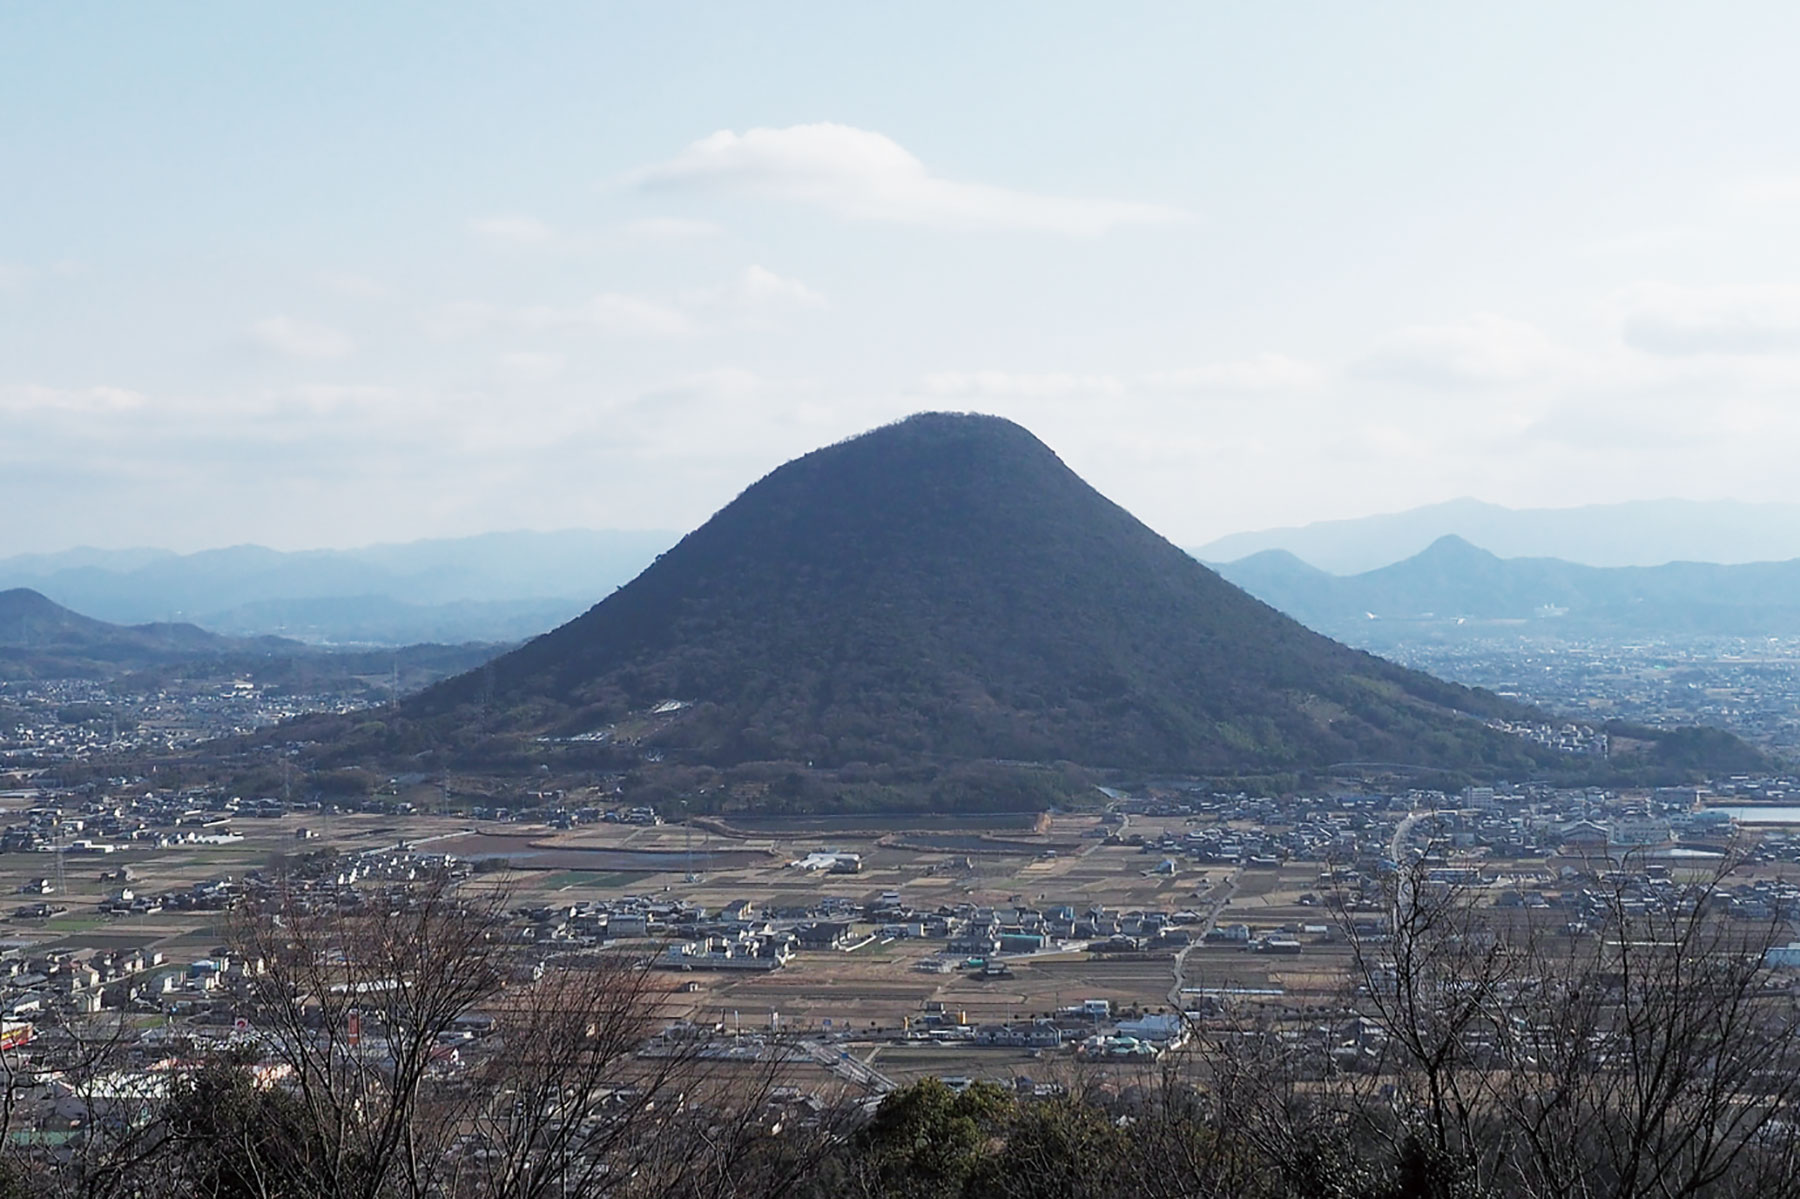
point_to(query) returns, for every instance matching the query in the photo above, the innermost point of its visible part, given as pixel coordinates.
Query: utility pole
(687, 833)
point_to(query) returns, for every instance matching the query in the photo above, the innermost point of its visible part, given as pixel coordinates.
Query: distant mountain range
(1453, 582)
(942, 591)
(511, 586)
(40, 639)
(494, 587)
(1640, 533)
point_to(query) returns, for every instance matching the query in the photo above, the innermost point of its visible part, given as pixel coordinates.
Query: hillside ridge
(1455, 580)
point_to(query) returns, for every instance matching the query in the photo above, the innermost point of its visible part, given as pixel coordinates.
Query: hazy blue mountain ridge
(1454, 580)
(496, 586)
(1637, 533)
(40, 639)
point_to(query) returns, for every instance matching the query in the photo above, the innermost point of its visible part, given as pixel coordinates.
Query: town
(989, 951)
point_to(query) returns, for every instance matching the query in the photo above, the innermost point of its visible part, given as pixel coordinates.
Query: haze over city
(369, 273)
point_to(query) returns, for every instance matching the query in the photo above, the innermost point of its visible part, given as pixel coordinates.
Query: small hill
(1279, 573)
(38, 635)
(946, 589)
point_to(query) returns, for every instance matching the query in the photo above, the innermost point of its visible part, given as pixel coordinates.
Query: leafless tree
(582, 1082)
(357, 1001)
(1642, 1050)
(1653, 1055)
(84, 1079)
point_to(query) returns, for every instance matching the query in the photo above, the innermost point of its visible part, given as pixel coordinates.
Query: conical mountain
(943, 589)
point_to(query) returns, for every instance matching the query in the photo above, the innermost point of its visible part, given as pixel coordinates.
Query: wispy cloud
(1643, 242)
(756, 298)
(300, 339)
(724, 384)
(30, 397)
(610, 312)
(319, 398)
(1030, 385)
(515, 230)
(671, 228)
(1661, 318)
(529, 233)
(862, 175)
(1765, 191)
(1264, 373)
(528, 366)
(617, 314)
(349, 283)
(1483, 351)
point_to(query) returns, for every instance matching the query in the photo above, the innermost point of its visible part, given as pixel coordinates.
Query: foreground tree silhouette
(1645, 1050)
(360, 1081)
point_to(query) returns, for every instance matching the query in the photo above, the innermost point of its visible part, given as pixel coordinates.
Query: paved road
(1124, 823)
(1212, 920)
(848, 1067)
(1404, 830)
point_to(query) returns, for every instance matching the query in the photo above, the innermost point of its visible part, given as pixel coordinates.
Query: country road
(1211, 921)
(1404, 830)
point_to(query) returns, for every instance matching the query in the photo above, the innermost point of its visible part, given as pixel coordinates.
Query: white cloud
(1262, 373)
(13, 274)
(755, 298)
(328, 397)
(1643, 242)
(862, 175)
(530, 232)
(671, 228)
(611, 313)
(1661, 318)
(1008, 385)
(517, 230)
(1484, 351)
(349, 283)
(726, 384)
(1769, 191)
(300, 339)
(752, 299)
(759, 286)
(529, 367)
(29, 397)
(460, 318)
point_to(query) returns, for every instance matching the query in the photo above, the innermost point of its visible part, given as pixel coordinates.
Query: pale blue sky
(327, 275)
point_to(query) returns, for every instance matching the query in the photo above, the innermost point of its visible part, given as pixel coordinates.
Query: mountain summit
(944, 589)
